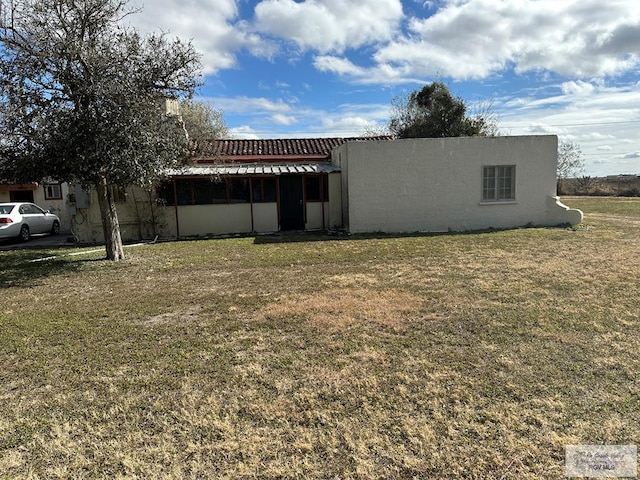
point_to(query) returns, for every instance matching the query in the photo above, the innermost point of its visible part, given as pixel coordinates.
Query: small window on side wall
(498, 183)
(52, 191)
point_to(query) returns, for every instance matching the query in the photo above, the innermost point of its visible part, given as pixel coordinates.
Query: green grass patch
(447, 356)
(628, 206)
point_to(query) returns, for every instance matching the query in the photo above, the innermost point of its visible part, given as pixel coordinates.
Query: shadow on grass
(293, 237)
(23, 268)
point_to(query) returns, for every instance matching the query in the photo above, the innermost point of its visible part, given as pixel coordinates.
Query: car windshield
(6, 209)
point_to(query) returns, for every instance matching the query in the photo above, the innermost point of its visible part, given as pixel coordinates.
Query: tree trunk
(110, 225)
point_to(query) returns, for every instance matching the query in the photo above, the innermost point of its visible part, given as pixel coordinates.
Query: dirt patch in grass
(189, 314)
(339, 309)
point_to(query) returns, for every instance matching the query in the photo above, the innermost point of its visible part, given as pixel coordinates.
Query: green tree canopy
(83, 98)
(203, 124)
(433, 112)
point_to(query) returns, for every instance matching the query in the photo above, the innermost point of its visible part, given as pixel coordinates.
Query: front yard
(473, 356)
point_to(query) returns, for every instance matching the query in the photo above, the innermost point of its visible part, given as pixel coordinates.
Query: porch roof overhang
(254, 169)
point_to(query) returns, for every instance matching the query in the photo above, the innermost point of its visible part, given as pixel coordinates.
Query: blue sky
(294, 68)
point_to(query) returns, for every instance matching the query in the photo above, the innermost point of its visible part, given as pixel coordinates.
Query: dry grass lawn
(475, 356)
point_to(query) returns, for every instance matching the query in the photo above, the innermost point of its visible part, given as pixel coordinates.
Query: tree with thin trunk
(570, 162)
(83, 99)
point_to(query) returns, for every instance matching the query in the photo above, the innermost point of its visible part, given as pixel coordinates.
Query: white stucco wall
(436, 184)
(315, 215)
(334, 209)
(265, 217)
(139, 216)
(214, 219)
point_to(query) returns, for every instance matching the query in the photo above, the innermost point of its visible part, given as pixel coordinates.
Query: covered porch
(253, 198)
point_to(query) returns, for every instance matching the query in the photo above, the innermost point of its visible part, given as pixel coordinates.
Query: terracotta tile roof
(267, 149)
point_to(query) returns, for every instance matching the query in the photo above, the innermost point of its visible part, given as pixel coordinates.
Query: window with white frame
(52, 191)
(498, 183)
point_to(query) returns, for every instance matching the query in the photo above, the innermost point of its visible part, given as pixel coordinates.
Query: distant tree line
(615, 185)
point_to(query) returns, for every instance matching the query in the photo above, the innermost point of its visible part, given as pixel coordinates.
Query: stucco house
(444, 184)
(355, 184)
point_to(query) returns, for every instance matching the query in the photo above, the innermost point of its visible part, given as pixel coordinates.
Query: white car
(21, 220)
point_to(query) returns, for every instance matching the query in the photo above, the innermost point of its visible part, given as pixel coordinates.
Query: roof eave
(225, 159)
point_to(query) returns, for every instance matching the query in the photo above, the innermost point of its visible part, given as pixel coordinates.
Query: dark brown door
(291, 204)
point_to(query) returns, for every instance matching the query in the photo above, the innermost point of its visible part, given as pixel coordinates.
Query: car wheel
(24, 233)
(55, 228)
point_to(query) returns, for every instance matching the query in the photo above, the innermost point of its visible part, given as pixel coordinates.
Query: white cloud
(280, 119)
(348, 126)
(250, 105)
(577, 88)
(604, 123)
(329, 25)
(544, 129)
(243, 132)
(341, 66)
(210, 24)
(597, 136)
(472, 39)
(349, 120)
(462, 39)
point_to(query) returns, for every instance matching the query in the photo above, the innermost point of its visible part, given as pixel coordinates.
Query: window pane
(256, 190)
(312, 188)
(218, 191)
(52, 191)
(269, 189)
(118, 194)
(239, 190)
(203, 192)
(264, 190)
(183, 192)
(489, 183)
(32, 210)
(506, 185)
(165, 193)
(206, 192)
